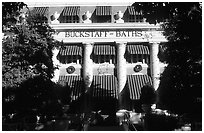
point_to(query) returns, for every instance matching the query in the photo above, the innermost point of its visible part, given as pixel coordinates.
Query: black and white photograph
(101, 65)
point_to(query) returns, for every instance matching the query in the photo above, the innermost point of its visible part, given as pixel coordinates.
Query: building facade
(108, 52)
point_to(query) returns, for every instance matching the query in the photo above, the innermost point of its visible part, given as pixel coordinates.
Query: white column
(121, 70)
(56, 63)
(87, 65)
(87, 74)
(154, 62)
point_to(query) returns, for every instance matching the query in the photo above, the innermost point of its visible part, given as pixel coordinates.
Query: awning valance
(70, 50)
(71, 11)
(132, 10)
(42, 11)
(74, 83)
(135, 84)
(104, 50)
(103, 10)
(137, 49)
(104, 86)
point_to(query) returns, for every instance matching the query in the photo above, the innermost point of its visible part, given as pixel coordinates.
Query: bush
(148, 95)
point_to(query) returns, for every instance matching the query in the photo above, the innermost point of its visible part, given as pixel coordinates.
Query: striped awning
(42, 11)
(74, 83)
(104, 86)
(70, 50)
(132, 10)
(135, 84)
(71, 11)
(103, 10)
(104, 50)
(137, 49)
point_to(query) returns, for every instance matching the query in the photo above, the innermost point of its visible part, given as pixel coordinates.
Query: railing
(130, 119)
(157, 120)
(72, 122)
(128, 122)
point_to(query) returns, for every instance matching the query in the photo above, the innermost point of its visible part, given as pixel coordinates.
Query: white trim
(77, 3)
(142, 26)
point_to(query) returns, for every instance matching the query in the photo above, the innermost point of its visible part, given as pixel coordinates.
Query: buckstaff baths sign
(88, 34)
(108, 34)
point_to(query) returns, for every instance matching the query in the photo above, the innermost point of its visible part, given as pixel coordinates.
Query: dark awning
(135, 83)
(103, 10)
(70, 50)
(104, 86)
(132, 11)
(42, 11)
(137, 49)
(71, 11)
(104, 50)
(74, 83)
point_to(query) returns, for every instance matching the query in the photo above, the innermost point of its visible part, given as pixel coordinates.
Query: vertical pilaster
(154, 61)
(87, 64)
(121, 70)
(87, 74)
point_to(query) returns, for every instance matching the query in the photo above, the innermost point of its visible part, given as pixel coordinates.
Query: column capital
(88, 43)
(121, 43)
(154, 42)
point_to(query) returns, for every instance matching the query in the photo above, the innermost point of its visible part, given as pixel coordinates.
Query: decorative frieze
(86, 17)
(54, 18)
(119, 17)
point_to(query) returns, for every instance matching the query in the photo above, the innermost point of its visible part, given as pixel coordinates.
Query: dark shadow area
(181, 101)
(136, 104)
(34, 97)
(78, 94)
(154, 122)
(104, 103)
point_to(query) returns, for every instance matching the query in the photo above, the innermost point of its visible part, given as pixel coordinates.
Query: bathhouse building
(107, 52)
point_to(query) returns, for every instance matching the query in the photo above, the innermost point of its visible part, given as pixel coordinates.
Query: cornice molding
(77, 3)
(110, 26)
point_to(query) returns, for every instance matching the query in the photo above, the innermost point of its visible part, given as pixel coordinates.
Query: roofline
(58, 4)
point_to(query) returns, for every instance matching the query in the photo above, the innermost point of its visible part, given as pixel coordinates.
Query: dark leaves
(181, 82)
(148, 95)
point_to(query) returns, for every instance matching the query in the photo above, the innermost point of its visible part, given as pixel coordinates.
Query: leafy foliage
(27, 52)
(148, 95)
(10, 10)
(181, 82)
(157, 12)
(27, 65)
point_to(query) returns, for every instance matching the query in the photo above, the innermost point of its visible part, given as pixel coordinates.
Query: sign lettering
(103, 34)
